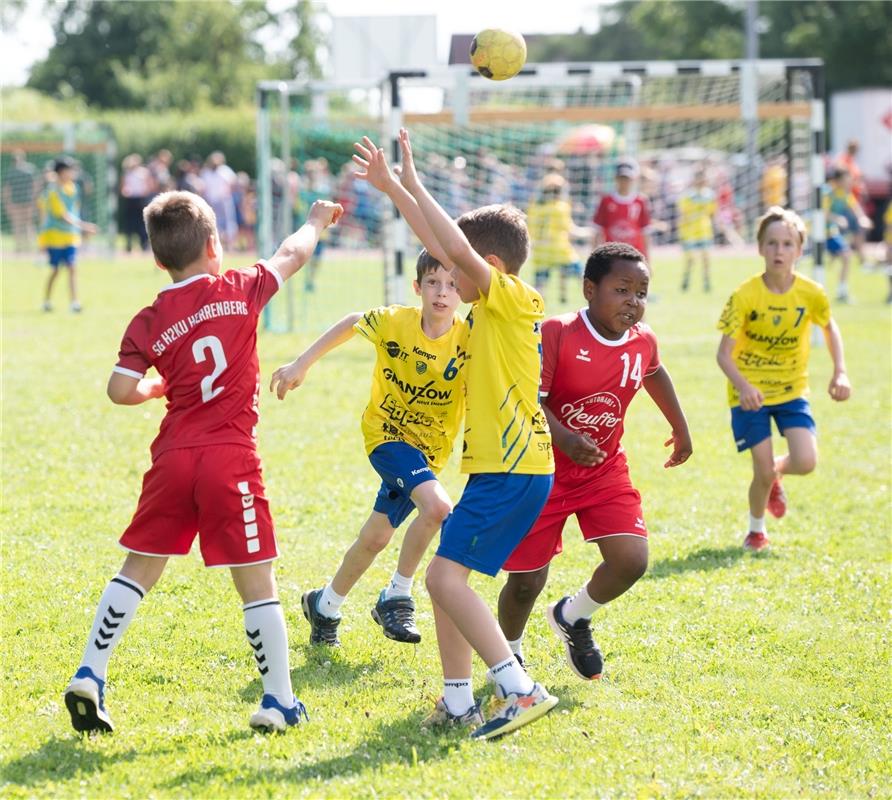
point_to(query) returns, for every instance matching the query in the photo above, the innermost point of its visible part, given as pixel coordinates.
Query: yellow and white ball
(498, 54)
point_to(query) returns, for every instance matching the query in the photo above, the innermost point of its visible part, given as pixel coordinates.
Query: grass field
(727, 675)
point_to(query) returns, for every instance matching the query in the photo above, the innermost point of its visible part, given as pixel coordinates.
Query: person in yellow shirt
(507, 445)
(551, 228)
(764, 351)
(696, 209)
(61, 229)
(409, 426)
(887, 238)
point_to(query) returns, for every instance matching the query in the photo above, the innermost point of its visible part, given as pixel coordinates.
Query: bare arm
(125, 390)
(378, 174)
(751, 398)
(296, 250)
(839, 388)
(292, 375)
(455, 244)
(578, 447)
(661, 389)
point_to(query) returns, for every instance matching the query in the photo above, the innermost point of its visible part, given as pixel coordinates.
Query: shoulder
(561, 322)
(642, 330)
(808, 286)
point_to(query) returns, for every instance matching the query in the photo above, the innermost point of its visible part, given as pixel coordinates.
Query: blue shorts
(696, 244)
(752, 427)
(495, 511)
(401, 467)
(571, 270)
(836, 245)
(62, 256)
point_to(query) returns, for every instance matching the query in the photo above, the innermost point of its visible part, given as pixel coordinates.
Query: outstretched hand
(681, 448)
(406, 171)
(371, 159)
(288, 377)
(326, 212)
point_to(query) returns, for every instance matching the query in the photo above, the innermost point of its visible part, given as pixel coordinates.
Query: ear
(588, 289)
(212, 248)
(495, 261)
(160, 265)
(417, 287)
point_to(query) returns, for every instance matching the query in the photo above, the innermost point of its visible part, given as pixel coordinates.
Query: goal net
(753, 129)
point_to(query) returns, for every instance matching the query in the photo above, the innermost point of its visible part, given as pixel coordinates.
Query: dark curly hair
(603, 256)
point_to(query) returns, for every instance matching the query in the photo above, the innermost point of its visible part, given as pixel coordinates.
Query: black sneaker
(323, 630)
(583, 655)
(397, 617)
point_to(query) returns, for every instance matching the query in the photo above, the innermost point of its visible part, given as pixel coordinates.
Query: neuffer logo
(597, 415)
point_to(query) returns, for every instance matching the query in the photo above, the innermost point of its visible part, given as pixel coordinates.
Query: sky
(32, 37)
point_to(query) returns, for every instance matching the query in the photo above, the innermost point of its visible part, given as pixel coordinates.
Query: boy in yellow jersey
(62, 228)
(507, 446)
(551, 227)
(764, 353)
(409, 427)
(696, 209)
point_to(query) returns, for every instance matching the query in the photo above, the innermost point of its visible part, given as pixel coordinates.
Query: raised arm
(751, 398)
(839, 388)
(660, 387)
(292, 375)
(296, 250)
(378, 174)
(455, 244)
(125, 390)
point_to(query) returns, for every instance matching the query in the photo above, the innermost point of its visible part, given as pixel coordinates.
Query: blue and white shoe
(85, 700)
(273, 716)
(515, 711)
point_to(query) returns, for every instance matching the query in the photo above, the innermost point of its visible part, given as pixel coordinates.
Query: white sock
(457, 695)
(116, 609)
(757, 524)
(578, 606)
(511, 677)
(516, 646)
(329, 602)
(400, 586)
(265, 628)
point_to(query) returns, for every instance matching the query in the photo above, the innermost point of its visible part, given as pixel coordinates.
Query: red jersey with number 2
(201, 336)
(624, 219)
(588, 383)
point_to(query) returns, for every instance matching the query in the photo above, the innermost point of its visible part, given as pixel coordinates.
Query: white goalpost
(756, 127)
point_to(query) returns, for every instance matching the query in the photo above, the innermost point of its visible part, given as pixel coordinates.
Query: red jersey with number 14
(201, 336)
(588, 382)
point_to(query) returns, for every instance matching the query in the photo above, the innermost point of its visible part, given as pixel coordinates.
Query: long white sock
(400, 586)
(511, 677)
(757, 524)
(516, 646)
(265, 628)
(457, 695)
(116, 608)
(579, 605)
(330, 602)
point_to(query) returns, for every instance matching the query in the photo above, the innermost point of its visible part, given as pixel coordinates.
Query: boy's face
(65, 175)
(619, 300)
(780, 247)
(624, 184)
(467, 289)
(438, 293)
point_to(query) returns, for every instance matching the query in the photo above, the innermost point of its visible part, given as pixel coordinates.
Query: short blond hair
(778, 214)
(179, 225)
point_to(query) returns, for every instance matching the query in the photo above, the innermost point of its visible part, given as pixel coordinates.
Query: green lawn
(727, 675)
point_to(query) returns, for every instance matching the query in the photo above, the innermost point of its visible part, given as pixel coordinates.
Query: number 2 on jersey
(199, 347)
(634, 373)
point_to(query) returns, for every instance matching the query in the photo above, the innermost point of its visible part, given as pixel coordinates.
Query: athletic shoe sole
(86, 716)
(524, 718)
(568, 651)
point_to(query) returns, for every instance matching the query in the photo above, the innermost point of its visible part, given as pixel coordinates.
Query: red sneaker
(777, 499)
(755, 541)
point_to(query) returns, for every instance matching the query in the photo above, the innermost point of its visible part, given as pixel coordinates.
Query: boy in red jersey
(200, 334)
(624, 215)
(594, 362)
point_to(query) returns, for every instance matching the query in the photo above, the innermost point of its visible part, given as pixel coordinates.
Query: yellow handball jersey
(771, 335)
(418, 393)
(549, 224)
(505, 429)
(696, 209)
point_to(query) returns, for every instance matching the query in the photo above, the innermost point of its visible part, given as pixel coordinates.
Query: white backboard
(371, 47)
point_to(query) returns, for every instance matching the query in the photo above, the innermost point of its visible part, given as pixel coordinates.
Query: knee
(631, 567)
(803, 464)
(763, 475)
(375, 540)
(433, 580)
(436, 512)
(525, 587)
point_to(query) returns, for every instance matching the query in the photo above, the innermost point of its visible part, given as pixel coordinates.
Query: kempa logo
(419, 352)
(419, 471)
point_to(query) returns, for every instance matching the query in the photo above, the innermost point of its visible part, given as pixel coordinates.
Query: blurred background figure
(696, 210)
(20, 199)
(219, 183)
(137, 188)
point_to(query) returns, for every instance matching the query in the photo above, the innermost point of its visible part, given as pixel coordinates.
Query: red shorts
(215, 491)
(608, 505)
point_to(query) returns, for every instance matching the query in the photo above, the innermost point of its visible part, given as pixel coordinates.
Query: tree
(853, 37)
(169, 53)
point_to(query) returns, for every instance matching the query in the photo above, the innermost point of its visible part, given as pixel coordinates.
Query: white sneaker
(515, 711)
(47, 305)
(85, 700)
(76, 307)
(273, 716)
